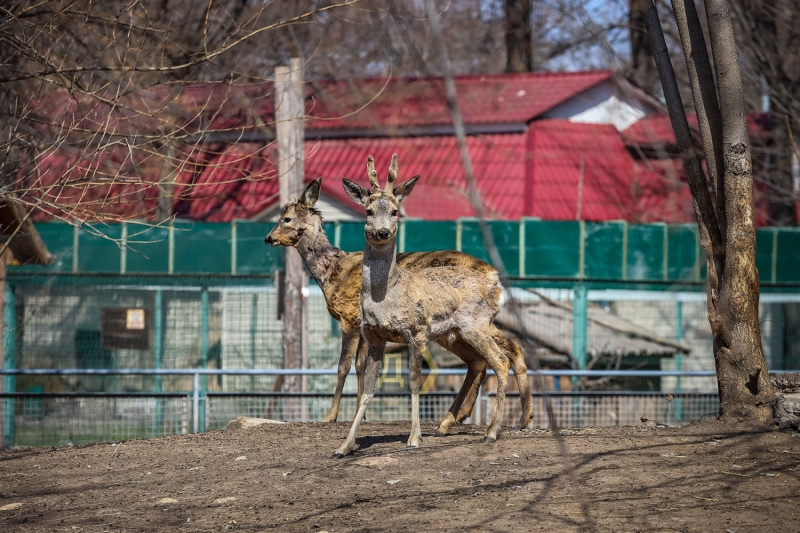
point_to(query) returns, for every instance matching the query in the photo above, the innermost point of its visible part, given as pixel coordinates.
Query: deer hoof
(487, 439)
(414, 443)
(439, 433)
(337, 455)
(328, 419)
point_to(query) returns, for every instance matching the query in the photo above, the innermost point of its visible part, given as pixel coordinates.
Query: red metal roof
(542, 172)
(419, 102)
(656, 129)
(441, 194)
(614, 187)
(386, 104)
(585, 171)
(516, 174)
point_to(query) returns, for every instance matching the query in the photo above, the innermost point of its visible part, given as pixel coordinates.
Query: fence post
(253, 329)
(196, 404)
(9, 361)
(579, 325)
(204, 344)
(158, 352)
(678, 357)
(185, 416)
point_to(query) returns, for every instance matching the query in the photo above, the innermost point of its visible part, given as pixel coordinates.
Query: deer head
(382, 205)
(297, 217)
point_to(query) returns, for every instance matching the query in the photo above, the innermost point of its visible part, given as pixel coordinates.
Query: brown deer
(338, 274)
(447, 304)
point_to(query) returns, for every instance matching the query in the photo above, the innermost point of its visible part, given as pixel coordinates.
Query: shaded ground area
(698, 478)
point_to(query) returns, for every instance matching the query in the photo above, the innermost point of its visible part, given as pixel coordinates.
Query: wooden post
(289, 112)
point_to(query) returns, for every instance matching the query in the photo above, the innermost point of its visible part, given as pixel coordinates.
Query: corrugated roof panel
(418, 102)
(441, 194)
(584, 171)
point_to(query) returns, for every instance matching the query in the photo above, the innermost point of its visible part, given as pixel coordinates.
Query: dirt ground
(705, 477)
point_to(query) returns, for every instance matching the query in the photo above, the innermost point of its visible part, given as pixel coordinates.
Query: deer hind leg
(472, 395)
(517, 360)
(414, 381)
(351, 342)
(371, 379)
(482, 341)
(465, 399)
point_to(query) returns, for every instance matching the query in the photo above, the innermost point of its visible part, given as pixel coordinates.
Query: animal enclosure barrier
(54, 419)
(161, 322)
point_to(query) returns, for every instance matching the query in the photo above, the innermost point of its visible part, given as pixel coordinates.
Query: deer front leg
(371, 379)
(361, 365)
(414, 379)
(351, 336)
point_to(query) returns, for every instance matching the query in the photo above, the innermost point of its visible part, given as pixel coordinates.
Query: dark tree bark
(728, 240)
(519, 46)
(643, 66)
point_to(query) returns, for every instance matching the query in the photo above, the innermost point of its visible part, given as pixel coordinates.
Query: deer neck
(380, 271)
(319, 255)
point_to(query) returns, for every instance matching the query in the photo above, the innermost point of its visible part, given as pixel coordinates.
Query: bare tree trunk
(289, 110)
(701, 79)
(728, 240)
(643, 65)
(519, 45)
(745, 389)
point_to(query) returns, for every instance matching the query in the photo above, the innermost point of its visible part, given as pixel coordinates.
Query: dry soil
(705, 477)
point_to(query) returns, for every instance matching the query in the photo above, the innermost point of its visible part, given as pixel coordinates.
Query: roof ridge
(498, 75)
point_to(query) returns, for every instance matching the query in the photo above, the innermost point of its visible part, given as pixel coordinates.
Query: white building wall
(331, 210)
(605, 103)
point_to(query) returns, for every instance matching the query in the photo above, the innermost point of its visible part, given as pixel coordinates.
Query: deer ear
(311, 194)
(356, 192)
(402, 191)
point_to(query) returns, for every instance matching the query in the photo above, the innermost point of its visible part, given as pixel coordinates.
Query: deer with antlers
(338, 274)
(447, 304)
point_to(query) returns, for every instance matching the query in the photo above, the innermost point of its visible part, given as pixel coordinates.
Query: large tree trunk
(728, 239)
(519, 47)
(643, 66)
(744, 387)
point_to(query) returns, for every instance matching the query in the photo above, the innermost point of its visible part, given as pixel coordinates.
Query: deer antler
(373, 176)
(392, 175)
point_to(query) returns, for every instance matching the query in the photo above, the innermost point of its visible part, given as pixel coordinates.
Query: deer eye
(394, 212)
(369, 212)
(287, 219)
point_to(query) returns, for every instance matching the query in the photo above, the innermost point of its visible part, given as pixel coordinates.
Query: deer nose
(383, 234)
(268, 239)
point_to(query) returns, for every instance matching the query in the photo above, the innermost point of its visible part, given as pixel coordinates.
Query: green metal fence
(195, 295)
(529, 248)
